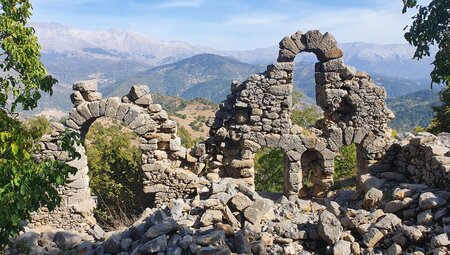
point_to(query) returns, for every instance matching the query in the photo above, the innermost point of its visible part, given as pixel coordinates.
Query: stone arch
(258, 110)
(164, 161)
(171, 170)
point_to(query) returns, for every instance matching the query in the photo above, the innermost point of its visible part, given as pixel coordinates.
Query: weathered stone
(397, 205)
(241, 243)
(113, 244)
(329, 227)
(85, 86)
(288, 44)
(216, 238)
(342, 248)
(210, 217)
(112, 105)
(413, 234)
(429, 200)
(166, 226)
(66, 240)
(154, 108)
(241, 201)
(313, 39)
(156, 245)
(76, 98)
(257, 210)
(93, 96)
(425, 217)
(388, 222)
(144, 101)
(372, 237)
(132, 114)
(394, 249)
(239, 164)
(334, 65)
(138, 91)
(372, 198)
(441, 240)
(368, 181)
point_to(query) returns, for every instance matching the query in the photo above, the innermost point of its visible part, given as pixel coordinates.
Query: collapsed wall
(75, 211)
(256, 114)
(422, 158)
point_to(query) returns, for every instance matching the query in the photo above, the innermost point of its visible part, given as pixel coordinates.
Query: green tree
(345, 162)
(186, 138)
(25, 185)
(269, 164)
(441, 120)
(430, 27)
(305, 117)
(115, 174)
(37, 127)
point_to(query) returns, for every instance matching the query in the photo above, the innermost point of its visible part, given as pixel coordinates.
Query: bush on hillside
(115, 174)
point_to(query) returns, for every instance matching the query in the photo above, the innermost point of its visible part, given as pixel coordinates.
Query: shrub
(37, 127)
(115, 174)
(345, 162)
(186, 138)
(305, 117)
(269, 169)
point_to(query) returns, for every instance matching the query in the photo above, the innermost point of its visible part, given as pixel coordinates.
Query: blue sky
(232, 24)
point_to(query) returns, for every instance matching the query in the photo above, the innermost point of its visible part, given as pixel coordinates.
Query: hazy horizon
(233, 24)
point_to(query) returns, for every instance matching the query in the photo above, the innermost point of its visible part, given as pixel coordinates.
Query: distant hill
(413, 109)
(100, 50)
(204, 75)
(119, 59)
(209, 76)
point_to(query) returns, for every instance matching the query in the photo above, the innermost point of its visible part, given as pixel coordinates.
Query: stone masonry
(212, 184)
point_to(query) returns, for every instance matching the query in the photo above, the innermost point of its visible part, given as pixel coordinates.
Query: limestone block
(280, 90)
(70, 123)
(144, 101)
(112, 105)
(147, 128)
(138, 91)
(76, 98)
(132, 114)
(102, 107)
(154, 108)
(122, 110)
(334, 65)
(139, 121)
(84, 111)
(329, 227)
(76, 117)
(300, 40)
(92, 96)
(288, 44)
(313, 39)
(85, 86)
(285, 56)
(94, 109)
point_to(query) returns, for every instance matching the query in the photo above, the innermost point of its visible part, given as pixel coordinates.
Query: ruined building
(256, 114)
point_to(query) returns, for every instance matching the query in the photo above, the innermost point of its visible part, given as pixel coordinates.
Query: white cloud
(181, 3)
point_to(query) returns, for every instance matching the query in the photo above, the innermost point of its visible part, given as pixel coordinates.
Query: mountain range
(119, 59)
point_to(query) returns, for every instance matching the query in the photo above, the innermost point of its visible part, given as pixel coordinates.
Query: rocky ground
(385, 217)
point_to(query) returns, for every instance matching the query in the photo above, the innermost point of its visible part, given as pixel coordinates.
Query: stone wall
(424, 158)
(166, 163)
(76, 209)
(256, 114)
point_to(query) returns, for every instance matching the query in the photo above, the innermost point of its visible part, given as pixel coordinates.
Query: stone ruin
(206, 194)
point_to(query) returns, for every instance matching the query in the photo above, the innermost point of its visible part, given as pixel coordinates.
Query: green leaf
(14, 148)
